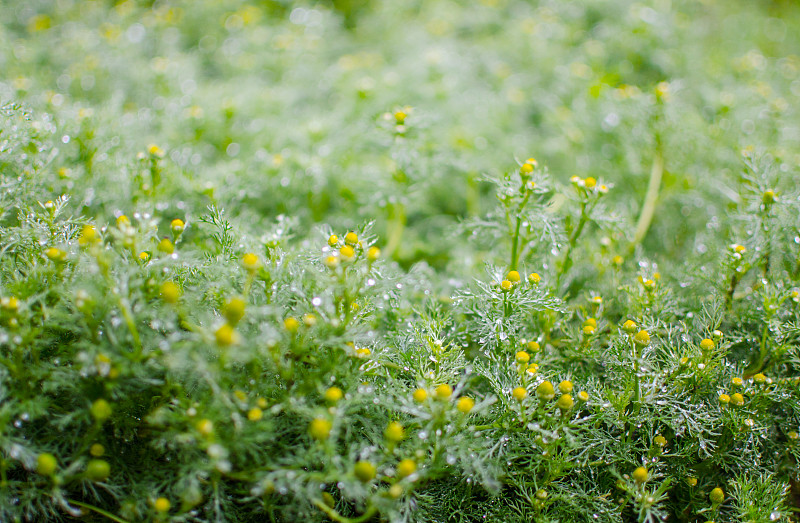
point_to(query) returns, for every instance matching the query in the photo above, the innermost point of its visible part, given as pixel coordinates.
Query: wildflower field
(399, 261)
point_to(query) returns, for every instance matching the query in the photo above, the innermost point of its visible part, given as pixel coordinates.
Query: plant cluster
(374, 312)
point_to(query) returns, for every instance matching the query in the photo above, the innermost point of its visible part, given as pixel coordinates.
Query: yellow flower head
(519, 393)
(465, 404)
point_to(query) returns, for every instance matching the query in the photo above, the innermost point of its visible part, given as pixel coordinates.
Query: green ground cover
(399, 261)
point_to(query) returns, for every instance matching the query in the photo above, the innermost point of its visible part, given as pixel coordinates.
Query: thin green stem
(651, 197)
(335, 516)
(100, 511)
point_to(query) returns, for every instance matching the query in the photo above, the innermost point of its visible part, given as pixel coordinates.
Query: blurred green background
(270, 108)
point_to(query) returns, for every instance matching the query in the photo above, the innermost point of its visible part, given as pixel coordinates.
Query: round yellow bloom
(660, 440)
(565, 402)
(97, 450)
(520, 393)
(373, 253)
(123, 221)
(590, 182)
(642, 338)
(394, 432)
(225, 335)
(640, 475)
(177, 226)
(333, 394)
(46, 464)
(233, 310)
(590, 322)
(364, 471)
(724, 399)
(331, 262)
(629, 326)
(291, 324)
(55, 254)
(522, 357)
(707, 345)
(534, 278)
(513, 276)
(465, 404)
(333, 240)
(205, 427)
(351, 238)
(565, 387)
(717, 496)
(759, 378)
(737, 400)
(170, 292)
(400, 117)
(144, 256)
(583, 396)
(320, 429)
(101, 410)
(166, 246)
(255, 414)
(420, 395)
(347, 253)
(405, 468)
(443, 391)
(546, 391)
(251, 262)
(98, 470)
(88, 235)
(533, 346)
(588, 330)
(506, 285)
(162, 505)
(737, 381)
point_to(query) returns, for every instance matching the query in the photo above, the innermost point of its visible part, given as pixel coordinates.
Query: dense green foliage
(274, 261)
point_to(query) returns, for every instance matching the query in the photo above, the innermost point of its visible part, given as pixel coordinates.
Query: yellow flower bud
(162, 505)
(565, 386)
(642, 338)
(351, 239)
(46, 464)
(177, 226)
(545, 391)
(101, 410)
(233, 310)
(333, 394)
(519, 393)
(640, 475)
(364, 471)
(170, 292)
(291, 324)
(166, 246)
(717, 496)
(513, 276)
(251, 262)
(320, 429)
(394, 432)
(333, 240)
(706, 345)
(347, 253)
(534, 278)
(443, 391)
(465, 404)
(565, 402)
(373, 253)
(405, 468)
(522, 357)
(420, 395)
